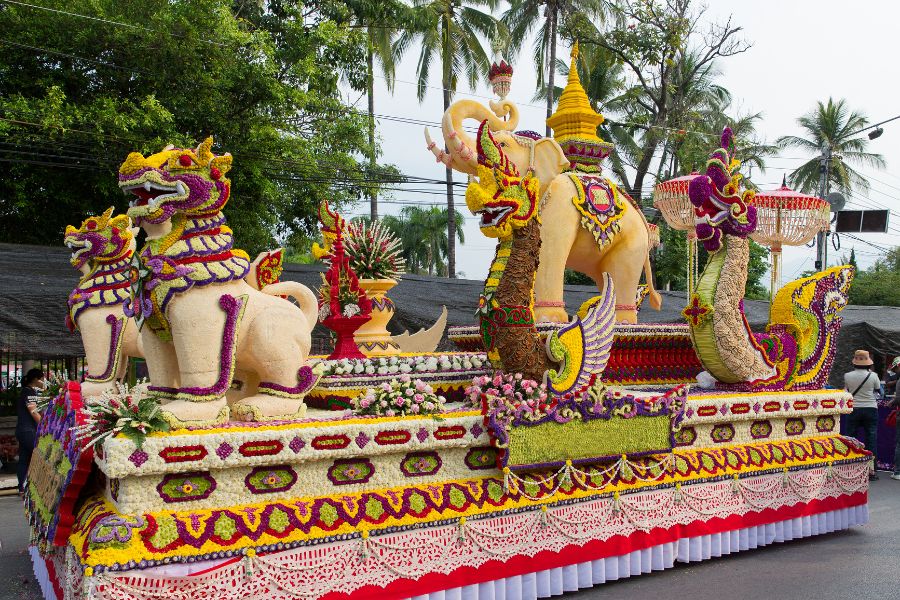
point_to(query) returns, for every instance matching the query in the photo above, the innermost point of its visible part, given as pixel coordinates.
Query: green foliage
(879, 285)
(571, 277)
(670, 63)
(423, 232)
(261, 77)
(835, 126)
(670, 265)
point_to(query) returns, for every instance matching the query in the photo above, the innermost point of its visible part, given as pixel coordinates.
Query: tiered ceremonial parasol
(786, 217)
(672, 200)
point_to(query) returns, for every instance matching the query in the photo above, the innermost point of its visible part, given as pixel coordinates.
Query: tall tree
(451, 31)
(381, 21)
(652, 39)
(835, 126)
(423, 232)
(524, 16)
(80, 89)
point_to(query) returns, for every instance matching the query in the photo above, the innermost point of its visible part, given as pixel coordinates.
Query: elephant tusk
(439, 155)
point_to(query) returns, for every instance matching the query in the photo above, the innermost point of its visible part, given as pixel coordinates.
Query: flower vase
(344, 328)
(373, 338)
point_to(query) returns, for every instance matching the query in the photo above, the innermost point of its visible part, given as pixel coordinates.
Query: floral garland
(403, 396)
(400, 364)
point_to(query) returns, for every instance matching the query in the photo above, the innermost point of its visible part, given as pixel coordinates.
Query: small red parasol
(787, 218)
(671, 199)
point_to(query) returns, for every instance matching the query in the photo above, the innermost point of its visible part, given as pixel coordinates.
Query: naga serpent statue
(102, 249)
(797, 349)
(507, 204)
(194, 295)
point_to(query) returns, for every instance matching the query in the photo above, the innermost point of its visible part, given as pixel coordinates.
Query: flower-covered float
(545, 456)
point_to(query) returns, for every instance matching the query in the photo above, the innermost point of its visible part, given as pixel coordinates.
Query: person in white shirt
(862, 383)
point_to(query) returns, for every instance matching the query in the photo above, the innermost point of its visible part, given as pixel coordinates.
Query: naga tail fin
(308, 302)
(582, 347)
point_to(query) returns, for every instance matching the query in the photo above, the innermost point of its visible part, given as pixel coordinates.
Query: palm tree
(380, 20)
(523, 16)
(450, 30)
(423, 232)
(832, 126)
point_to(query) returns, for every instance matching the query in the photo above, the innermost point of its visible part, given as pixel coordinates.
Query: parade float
(552, 452)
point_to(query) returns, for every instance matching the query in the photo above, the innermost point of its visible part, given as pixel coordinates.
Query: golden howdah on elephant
(590, 224)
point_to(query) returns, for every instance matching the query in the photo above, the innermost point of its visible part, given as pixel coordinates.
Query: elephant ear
(491, 155)
(549, 159)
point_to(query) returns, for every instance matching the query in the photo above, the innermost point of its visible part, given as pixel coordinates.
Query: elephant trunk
(462, 156)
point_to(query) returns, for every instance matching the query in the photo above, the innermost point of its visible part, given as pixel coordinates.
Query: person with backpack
(862, 384)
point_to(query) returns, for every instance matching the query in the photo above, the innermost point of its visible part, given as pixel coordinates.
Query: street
(859, 563)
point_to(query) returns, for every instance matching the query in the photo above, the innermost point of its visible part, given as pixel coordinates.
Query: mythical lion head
(103, 239)
(498, 194)
(176, 180)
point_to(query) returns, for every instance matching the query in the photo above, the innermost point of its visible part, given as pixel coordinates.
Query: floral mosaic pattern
(420, 464)
(481, 458)
(185, 487)
(198, 533)
(351, 470)
(760, 430)
(267, 480)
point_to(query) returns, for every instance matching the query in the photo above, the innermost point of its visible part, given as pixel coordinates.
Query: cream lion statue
(200, 315)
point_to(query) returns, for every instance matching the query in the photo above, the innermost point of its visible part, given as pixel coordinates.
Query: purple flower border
(234, 311)
(117, 328)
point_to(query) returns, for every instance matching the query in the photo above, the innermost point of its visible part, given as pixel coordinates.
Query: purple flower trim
(117, 327)
(198, 197)
(306, 379)
(234, 310)
(164, 392)
(115, 528)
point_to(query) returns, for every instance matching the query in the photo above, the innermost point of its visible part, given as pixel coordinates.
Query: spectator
(891, 377)
(26, 425)
(862, 383)
(895, 403)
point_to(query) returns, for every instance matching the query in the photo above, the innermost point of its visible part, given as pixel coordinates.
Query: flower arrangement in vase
(344, 306)
(375, 256)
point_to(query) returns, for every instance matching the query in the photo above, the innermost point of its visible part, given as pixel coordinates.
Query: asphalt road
(861, 563)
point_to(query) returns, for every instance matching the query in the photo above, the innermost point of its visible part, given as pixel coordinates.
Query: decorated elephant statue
(590, 225)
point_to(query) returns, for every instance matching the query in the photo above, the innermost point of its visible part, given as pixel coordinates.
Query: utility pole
(822, 237)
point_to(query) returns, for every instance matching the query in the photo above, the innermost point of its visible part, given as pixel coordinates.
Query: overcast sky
(802, 51)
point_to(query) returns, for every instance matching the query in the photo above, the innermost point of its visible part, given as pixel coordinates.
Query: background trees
(451, 31)
(834, 125)
(77, 94)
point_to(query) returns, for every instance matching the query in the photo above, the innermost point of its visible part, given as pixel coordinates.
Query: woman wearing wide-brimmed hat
(863, 383)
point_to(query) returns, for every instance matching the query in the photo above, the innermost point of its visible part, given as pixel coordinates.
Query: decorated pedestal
(400, 507)
(373, 338)
(641, 354)
(448, 373)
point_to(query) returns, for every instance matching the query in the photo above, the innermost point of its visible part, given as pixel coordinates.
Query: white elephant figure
(589, 224)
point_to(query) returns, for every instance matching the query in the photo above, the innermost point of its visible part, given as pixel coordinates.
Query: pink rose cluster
(509, 386)
(402, 396)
